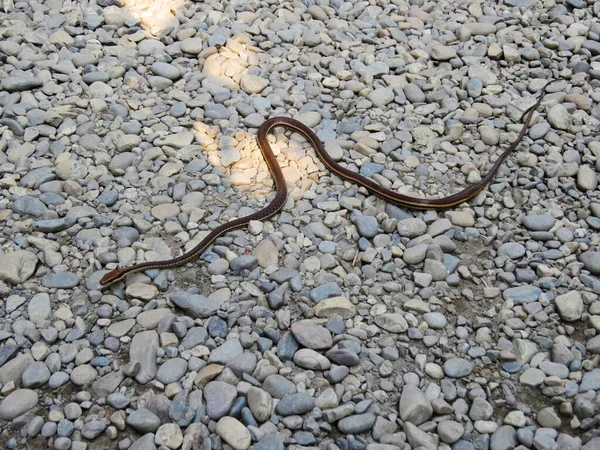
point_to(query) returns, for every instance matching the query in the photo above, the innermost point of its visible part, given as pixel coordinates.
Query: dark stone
(287, 346)
(8, 352)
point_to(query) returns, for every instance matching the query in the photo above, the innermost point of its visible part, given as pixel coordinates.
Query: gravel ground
(127, 133)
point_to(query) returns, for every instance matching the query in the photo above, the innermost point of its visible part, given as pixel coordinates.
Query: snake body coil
(280, 198)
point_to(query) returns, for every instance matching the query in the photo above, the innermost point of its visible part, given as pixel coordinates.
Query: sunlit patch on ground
(157, 17)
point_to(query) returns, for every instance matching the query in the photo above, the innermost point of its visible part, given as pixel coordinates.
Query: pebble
(414, 406)
(17, 403)
(234, 433)
(294, 404)
(457, 368)
(311, 335)
(570, 306)
(219, 397)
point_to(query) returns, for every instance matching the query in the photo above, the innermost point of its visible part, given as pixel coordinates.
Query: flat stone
(392, 322)
(172, 370)
(278, 386)
(108, 383)
(311, 335)
(146, 442)
(522, 294)
(591, 262)
(226, 352)
(196, 306)
(310, 359)
(120, 329)
(295, 404)
(335, 305)
(20, 83)
(83, 375)
(450, 431)
(17, 267)
(92, 429)
(532, 377)
(457, 367)
(143, 351)
(590, 381)
(17, 403)
(359, 423)
(143, 421)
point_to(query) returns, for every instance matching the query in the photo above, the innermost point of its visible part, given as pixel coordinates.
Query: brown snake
(280, 198)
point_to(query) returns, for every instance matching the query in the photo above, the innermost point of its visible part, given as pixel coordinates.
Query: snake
(276, 205)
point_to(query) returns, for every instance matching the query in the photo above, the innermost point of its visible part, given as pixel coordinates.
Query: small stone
(414, 406)
(226, 352)
(532, 377)
(252, 84)
(458, 368)
(219, 397)
(381, 97)
(36, 375)
(586, 178)
(359, 423)
(450, 431)
(83, 375)
(392, 322)
(295, 404)
(335, 305)
(442, 53)
(569, 306)
(143, 352)
(548, 418)
(311, 335)
(17, 267)
(260, 403)
(559, 117)
(504, 438)
(418, 438)
(234, 433)
(143, 421)
(197, 306)
(169, 435)
(480, 409)
(172, 370)
(92, 429)
(591, 262)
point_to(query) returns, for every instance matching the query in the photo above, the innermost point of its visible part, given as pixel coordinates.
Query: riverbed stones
(128, 134)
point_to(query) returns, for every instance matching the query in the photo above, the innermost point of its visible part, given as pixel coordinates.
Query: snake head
(112, 276)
